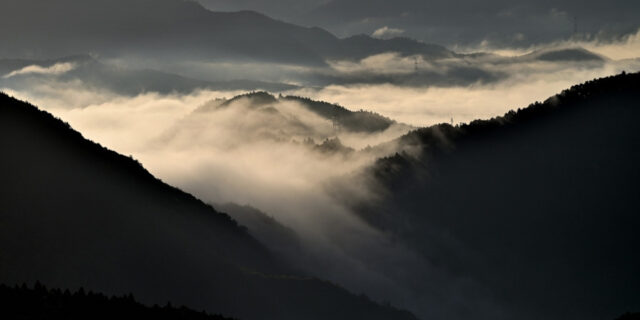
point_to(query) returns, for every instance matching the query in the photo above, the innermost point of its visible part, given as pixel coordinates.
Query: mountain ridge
(177, 29)
(537, 207)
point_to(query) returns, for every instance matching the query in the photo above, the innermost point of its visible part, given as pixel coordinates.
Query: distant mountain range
(130, 79)
(517, 23)
(170, 29)
(94, 74)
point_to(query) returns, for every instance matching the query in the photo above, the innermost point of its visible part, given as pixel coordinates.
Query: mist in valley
(286, 144)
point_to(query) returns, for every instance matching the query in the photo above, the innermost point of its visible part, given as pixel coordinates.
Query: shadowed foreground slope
(539, 207)
(74, 214)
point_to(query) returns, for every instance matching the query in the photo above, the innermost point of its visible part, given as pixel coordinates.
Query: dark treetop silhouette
(42, 303)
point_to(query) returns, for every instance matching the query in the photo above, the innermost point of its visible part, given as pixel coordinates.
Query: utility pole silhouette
(415, 64)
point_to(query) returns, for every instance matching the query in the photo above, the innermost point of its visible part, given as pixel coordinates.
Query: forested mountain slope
(540, 206)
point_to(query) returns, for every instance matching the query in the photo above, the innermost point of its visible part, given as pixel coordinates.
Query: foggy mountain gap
(103, 222)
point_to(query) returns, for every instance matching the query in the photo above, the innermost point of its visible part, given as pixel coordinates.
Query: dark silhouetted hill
(75, 214)
(540, 206)
(354, 121)
(566, 54)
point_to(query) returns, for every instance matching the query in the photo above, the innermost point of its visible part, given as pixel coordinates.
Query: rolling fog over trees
(139, 234)
(316, 159)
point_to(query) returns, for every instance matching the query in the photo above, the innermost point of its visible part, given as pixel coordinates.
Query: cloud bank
(421, 92)
(56, 69)
(438, 104)
(386, 32)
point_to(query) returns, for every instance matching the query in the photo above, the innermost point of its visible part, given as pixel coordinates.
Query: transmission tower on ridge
(336, 125)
